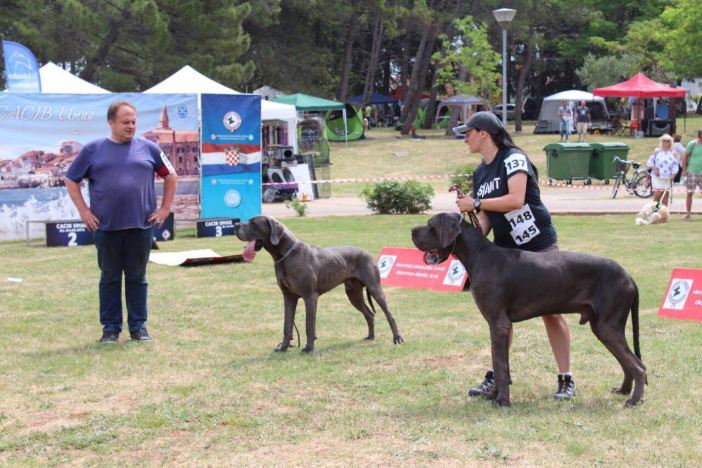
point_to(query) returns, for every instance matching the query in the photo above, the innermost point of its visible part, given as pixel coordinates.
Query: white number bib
(523, 225)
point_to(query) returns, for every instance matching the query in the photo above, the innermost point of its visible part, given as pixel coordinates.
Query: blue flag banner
(21, 68)
(230, 156)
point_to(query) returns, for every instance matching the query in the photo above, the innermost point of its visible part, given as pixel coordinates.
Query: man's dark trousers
(123, 251)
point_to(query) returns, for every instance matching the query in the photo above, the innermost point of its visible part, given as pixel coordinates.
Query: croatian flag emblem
(231, 155)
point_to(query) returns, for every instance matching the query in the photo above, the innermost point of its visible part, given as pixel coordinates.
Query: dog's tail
(635, 320)
(370, 301)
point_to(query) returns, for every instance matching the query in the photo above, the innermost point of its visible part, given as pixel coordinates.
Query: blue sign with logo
(230, 156)
(21, 68)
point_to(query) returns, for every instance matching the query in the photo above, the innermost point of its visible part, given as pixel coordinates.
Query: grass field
(209, 391)
(386, 153)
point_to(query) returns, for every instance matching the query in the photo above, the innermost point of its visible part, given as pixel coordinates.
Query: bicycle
(638, 184)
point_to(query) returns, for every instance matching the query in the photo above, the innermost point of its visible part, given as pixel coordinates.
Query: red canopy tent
(640, 86)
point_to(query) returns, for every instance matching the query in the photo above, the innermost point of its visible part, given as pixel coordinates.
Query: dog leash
(471, 215)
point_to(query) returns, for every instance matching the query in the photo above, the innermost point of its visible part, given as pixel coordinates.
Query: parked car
(497, 110)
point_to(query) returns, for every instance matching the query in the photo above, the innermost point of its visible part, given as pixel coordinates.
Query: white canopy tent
(465, 103)
(548, 117)
(56, 80)
(267, 92)
(189, 80)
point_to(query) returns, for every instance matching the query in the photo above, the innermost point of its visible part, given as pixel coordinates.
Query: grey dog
(511, 285)
(308, 271)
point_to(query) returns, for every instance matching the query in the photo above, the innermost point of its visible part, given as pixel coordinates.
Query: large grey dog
(511, 285)
(307, 271)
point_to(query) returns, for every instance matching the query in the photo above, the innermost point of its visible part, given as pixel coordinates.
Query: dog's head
(436, 239)
(261, 230)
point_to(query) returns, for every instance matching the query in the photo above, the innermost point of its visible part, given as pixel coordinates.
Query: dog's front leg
(499, 340)
(310, 321)
(290, 304)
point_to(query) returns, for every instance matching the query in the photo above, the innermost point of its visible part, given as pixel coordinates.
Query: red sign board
(405, 268)
(683, 298)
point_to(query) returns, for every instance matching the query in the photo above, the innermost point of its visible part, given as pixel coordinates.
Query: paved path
(559, 200)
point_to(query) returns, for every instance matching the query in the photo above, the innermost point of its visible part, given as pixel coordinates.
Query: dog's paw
(500, 402)
(398, 340)
(630, 403)
(308, 349)
(281, 348)
(369, 338)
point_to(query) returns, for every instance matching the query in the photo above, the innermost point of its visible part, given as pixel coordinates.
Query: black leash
(472, 217)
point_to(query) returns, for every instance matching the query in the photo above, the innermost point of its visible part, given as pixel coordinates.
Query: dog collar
(294, 246)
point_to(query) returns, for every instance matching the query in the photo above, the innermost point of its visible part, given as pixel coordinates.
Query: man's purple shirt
(120, 180)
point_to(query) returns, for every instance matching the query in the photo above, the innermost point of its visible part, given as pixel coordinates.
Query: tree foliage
(470, 51)
(344, 48)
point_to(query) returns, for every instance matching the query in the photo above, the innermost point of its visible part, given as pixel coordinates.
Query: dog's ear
(277, 231)
(449, 228)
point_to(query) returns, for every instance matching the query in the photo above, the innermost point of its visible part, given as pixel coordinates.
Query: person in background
(679, 151)
(692, 169)
(507, 199)
(583, 120)
(120, 170)
(565, 116)
(664, 165)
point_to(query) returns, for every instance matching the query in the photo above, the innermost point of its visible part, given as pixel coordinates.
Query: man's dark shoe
(140, 335)
(109, 337)
(485, 386)
(566, 388)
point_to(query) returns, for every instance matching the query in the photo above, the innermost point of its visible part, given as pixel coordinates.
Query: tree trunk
(523, 73)
(417, 79)
(373, 62)
(110, 39)
(431, 107)
(404, 70)
(348, 55)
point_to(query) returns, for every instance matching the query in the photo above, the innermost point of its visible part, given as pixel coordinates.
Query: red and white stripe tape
(544, 182)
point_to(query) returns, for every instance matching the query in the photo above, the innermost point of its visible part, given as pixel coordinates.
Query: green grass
(210, 391)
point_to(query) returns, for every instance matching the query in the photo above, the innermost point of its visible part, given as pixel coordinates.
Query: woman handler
(507, 200)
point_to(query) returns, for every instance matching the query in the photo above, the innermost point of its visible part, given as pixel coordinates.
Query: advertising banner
(683, 298)
(231, 156)
(21, 68)
(405, 268)
(41, 135)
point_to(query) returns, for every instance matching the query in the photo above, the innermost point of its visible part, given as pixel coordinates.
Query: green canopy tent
(303, 102)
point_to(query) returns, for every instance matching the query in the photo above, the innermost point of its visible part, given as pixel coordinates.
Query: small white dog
(653, 213)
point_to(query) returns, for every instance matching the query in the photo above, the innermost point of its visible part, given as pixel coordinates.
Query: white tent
(267, 92)
(548, 117)
(189, 80)
(465, 103)
(56, 80)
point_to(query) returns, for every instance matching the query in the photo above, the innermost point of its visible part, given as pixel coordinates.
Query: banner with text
(683, 298)
(231, 156)
(21, 68)
(41, 135)
(405, 268)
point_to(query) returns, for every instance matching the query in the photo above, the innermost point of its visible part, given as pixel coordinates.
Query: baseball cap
(480, 121)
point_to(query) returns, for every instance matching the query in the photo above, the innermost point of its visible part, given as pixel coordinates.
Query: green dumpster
(602, 163)
(568, 161)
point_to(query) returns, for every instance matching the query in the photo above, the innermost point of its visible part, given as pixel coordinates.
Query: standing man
(565, 114)
(122, 212)
(583, 120)
(692, 168)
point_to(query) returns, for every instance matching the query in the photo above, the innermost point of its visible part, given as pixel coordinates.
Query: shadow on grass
(296, 353)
